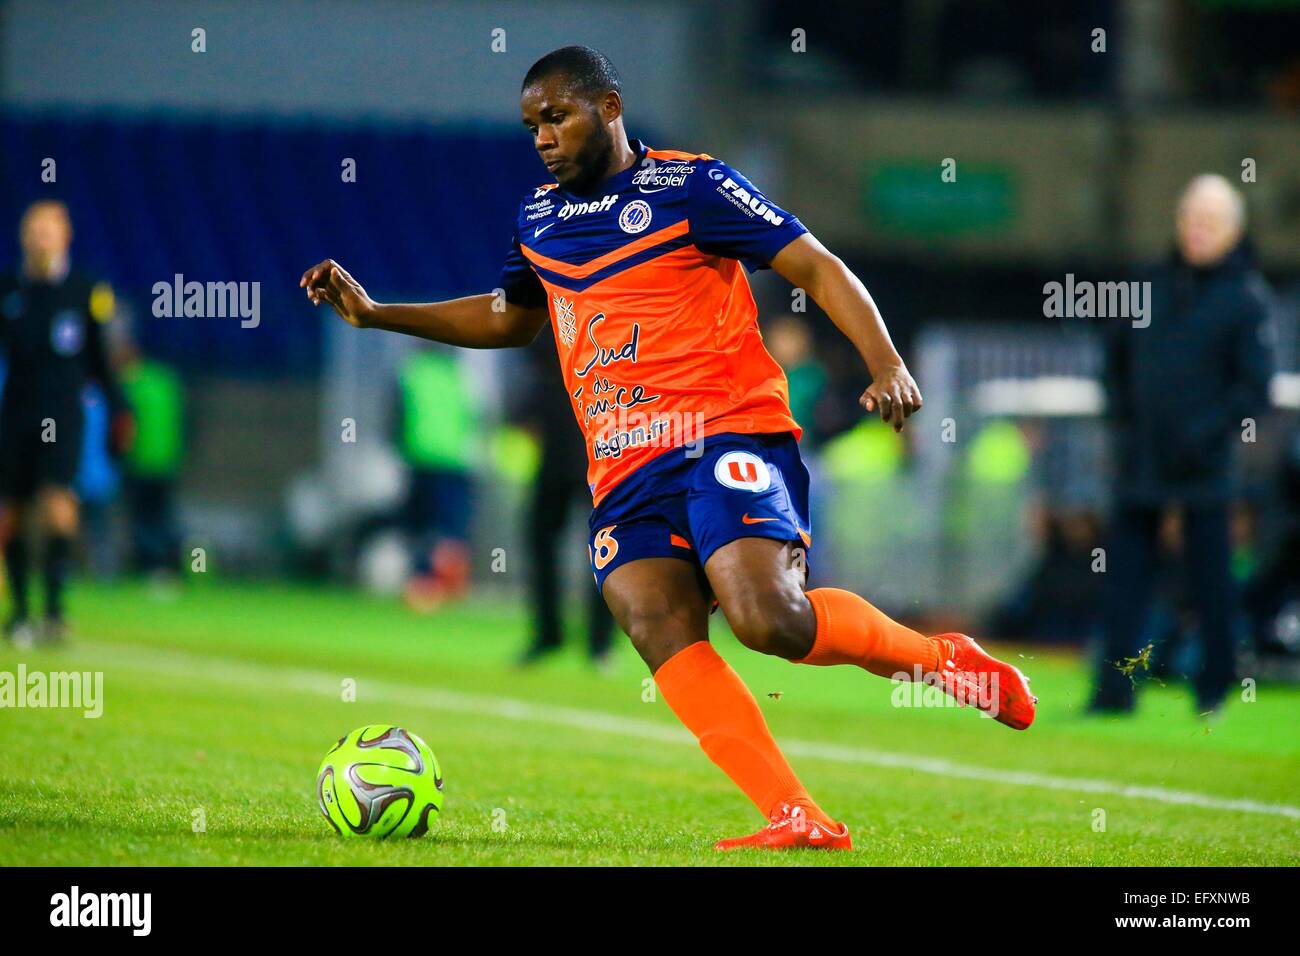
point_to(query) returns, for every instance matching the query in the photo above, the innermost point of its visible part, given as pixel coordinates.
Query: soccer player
(635, 255)
(51, 319)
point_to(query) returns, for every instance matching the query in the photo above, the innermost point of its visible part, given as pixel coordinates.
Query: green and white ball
(380, 781)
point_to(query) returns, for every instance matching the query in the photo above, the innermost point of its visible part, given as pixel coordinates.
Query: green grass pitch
(219, 705)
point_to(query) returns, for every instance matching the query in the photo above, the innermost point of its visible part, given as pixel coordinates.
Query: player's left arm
(810, 266)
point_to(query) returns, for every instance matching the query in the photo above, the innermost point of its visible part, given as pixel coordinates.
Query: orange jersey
(654, 321)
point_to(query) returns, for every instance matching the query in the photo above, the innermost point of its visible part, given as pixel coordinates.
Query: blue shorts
(741, 486)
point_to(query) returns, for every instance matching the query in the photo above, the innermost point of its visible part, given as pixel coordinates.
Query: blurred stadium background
(225, 166)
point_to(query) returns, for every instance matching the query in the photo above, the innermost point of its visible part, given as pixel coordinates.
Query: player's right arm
(486, 321)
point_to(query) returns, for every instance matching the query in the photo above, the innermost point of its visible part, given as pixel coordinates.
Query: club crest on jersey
(742, 471)
(67, 333)
(635, 216)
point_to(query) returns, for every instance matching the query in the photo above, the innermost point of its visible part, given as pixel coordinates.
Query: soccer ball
(380, 781)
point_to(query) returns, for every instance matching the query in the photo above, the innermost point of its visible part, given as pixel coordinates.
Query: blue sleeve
(730, 217)
(518, 280)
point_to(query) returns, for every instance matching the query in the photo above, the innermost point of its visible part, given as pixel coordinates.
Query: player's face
(570, 133)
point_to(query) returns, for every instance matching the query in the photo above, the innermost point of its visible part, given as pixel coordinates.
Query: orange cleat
(971, 676)
(791, 829)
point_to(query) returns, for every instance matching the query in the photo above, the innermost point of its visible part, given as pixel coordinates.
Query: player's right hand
(894, 394)
(329, 282)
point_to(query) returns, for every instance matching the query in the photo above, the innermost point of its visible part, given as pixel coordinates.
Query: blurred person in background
(436, 425)
(1059, 599)
(97, 485)
(152, 463)
(558, 490)
(53, 335)
(1055, 602)
(790, 341)
(1178, 390)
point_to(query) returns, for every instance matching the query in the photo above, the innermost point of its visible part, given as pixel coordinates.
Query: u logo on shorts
(742, 471)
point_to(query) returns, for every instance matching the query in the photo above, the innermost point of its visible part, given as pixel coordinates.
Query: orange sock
(715, 705)
(851, 631)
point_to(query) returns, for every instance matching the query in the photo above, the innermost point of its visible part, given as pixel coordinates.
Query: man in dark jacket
(1180, 388)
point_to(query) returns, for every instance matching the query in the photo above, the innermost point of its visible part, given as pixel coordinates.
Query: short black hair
(589, 71)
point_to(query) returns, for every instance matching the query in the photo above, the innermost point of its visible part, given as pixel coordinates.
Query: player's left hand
(894, 394)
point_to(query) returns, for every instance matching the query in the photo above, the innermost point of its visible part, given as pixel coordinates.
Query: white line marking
(183, 664)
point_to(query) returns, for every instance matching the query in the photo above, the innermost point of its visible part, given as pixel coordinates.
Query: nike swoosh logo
(748, 520)
(541, 229)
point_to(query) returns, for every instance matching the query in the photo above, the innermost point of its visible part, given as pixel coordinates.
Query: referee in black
(52, 332)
